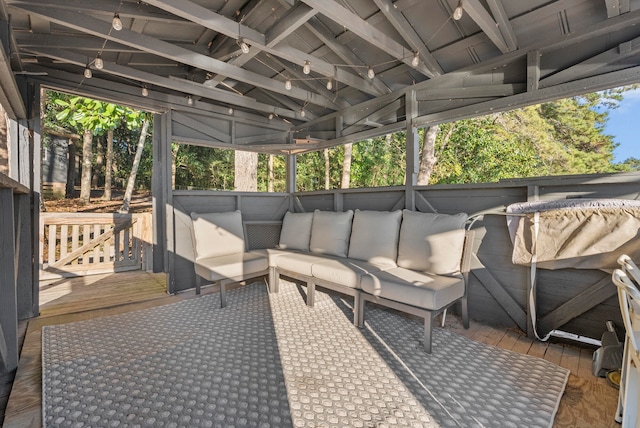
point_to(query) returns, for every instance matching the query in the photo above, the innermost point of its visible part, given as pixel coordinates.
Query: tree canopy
(556, 138)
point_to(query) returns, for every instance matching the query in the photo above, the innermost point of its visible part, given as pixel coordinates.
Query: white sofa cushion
(299, 263)
(296, 231)
(330, 232)
(346, 272)
(235, 266)
(414, 288)
(374, 236)
(217, 234)
(431, 242)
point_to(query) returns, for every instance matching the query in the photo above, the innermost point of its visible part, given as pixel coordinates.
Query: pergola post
(159, 187)
(291, 178)
(412, 151)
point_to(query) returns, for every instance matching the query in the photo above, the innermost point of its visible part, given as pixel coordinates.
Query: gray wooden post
(291, 174)
(8, 302)
(159, 191)
(412, 151)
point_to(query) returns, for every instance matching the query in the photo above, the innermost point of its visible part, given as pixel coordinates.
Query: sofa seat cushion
(299, 263)
(414, 288)
(231, 266)
(346, 272)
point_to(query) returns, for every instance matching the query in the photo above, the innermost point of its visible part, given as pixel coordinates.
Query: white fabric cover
(232, 266)
(374, 236)
(419, 289)
(575, 233)
(346, 272)
(330, 232)
(431, 242)
(217, 234)
(296, 231)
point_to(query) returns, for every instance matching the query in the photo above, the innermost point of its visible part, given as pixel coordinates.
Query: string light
(329, 85)
(287, 85)
(145, 91)
(306, 69)
(99, 63)
(457, 13)
(370, 73)
(244, 47)
(416, 59)
(302, 113)
(270, 116)
(230, 110)
(117, 22)
(87, 72)
(190, 100)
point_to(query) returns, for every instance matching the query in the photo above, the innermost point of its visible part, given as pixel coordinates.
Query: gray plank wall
(497, 289)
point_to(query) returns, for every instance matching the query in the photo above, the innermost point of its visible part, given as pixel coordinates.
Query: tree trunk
(246, 171)
(327, 172)
(428, 158)
(98, 165)
(126, 201)
(108, 167)
(346, 166)
(271, 175)
(175, 147)
(85, 178)
(71, 170)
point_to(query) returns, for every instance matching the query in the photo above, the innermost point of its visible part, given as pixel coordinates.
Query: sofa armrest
(467, 251)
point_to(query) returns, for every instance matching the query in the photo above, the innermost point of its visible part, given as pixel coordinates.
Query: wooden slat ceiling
(500, 54)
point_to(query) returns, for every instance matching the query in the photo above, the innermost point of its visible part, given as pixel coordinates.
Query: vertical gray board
(27, 296)
(159, 193)
(8, 302)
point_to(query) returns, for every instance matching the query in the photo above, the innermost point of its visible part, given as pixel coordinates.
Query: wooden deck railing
(77, 244)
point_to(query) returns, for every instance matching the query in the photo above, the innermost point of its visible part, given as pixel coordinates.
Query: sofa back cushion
(431, 242)
(330, 232)
(374, 236)
(217, 234)
(296, 231)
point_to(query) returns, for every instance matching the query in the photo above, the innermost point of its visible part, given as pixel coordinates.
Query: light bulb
(302, 113)
(270, 116)
(416, 59)
(457, 14)
(145, 91)
(244, 46)
(329, 85)
(230, 110)
(371, 73)
(189, 100)
(99, 63)
(287, 85)
(306, 69)
(117, 22)
(87, 73)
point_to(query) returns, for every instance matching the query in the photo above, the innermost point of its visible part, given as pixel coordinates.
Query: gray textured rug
(270, 361)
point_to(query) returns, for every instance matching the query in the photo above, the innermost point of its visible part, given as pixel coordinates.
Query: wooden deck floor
(588, 401)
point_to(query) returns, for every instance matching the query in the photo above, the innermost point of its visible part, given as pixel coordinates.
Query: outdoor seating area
(309, 299)
(410, 261)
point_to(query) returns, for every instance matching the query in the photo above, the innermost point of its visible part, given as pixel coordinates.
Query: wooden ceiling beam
(344, 17)
(99, 28)
(402, 26)
(479, 14)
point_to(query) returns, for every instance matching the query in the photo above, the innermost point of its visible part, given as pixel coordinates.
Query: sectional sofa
(410, 261)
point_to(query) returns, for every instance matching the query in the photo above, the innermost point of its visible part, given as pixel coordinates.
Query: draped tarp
(574, 233)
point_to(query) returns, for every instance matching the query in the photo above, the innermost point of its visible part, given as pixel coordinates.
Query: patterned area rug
(270, 361)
